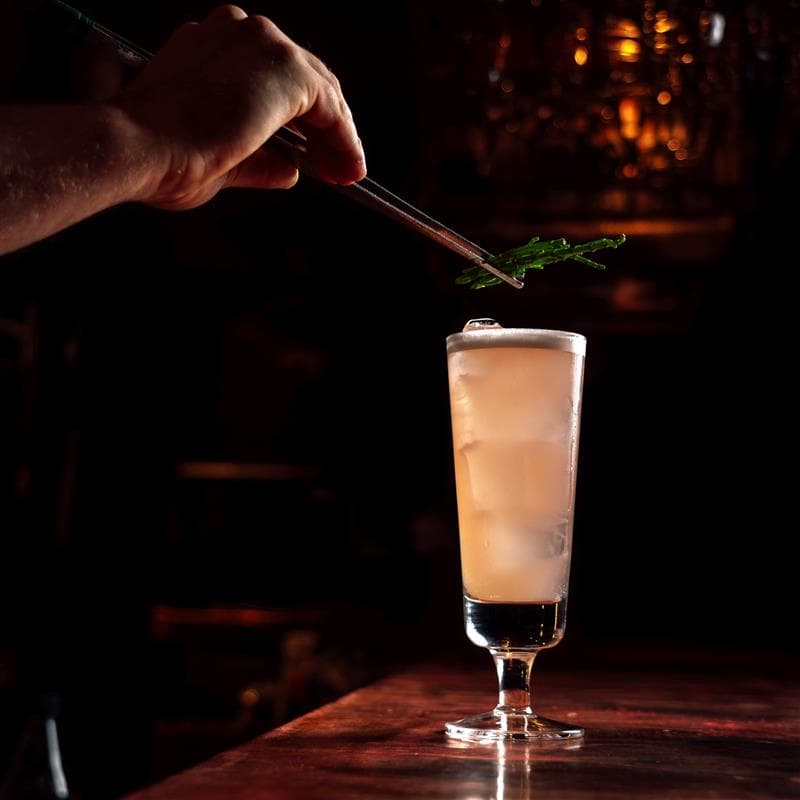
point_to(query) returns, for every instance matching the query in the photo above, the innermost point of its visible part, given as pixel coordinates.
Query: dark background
(226, 489)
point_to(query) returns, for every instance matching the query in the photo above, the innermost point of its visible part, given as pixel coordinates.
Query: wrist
(133, 152)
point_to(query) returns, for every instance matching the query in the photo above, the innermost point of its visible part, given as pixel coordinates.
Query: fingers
(334, 146)
(215, 94)
(264, 169)
(322, 113)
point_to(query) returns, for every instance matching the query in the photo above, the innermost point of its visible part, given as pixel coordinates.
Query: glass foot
(496, 726)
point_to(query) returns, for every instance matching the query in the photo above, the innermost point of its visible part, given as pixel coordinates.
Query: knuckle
(261, 26)
(282, 52)
(337, 86)
(229, 11)
(335, 93)
(340, 104)
(184, 30)
(280, 48)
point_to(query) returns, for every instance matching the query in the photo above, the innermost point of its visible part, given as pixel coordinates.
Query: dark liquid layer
(514, 625)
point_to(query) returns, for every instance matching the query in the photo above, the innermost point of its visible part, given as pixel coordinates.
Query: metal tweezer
(293, 145)
(370, 193)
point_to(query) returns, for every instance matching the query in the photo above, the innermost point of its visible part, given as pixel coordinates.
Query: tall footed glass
(515, 400)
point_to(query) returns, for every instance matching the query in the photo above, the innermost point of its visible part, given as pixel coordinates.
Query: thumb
(264, 169)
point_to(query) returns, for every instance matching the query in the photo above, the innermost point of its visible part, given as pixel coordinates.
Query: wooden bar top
(650, 733)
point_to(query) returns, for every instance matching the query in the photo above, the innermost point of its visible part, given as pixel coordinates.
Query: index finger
(334, 146)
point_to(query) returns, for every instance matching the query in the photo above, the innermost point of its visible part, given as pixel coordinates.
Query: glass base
(498, 726)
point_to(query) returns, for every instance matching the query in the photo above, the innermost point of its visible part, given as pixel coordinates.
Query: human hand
(216, 92)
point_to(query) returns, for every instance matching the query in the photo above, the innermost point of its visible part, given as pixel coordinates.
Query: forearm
(192, 123)
(61, 164)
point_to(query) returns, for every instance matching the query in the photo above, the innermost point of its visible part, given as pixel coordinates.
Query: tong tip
(509, 279)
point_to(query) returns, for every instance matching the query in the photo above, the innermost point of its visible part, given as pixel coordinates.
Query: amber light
(629, 117)
(624, 41)
(629, 50)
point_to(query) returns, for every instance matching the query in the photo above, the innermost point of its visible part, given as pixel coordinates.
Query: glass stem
(514, 679)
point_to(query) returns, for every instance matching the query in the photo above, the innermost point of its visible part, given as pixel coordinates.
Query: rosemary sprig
(535, 255)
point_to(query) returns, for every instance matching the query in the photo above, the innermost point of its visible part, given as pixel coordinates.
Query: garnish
(535, 255)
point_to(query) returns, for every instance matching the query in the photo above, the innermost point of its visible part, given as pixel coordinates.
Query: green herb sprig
(535, 255)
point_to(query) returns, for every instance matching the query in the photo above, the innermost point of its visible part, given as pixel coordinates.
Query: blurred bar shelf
(243, 471)
(168, 621)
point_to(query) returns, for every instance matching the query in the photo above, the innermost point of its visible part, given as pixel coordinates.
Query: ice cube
(546, 476)
(523, 556)
(519, 536)
(481, 323)
(511, 394)
(491, 475)
(535, 475)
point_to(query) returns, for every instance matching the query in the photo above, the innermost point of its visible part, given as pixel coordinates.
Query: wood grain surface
(652, 733)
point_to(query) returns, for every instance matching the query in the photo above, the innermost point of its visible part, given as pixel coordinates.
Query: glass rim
(538, 338)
